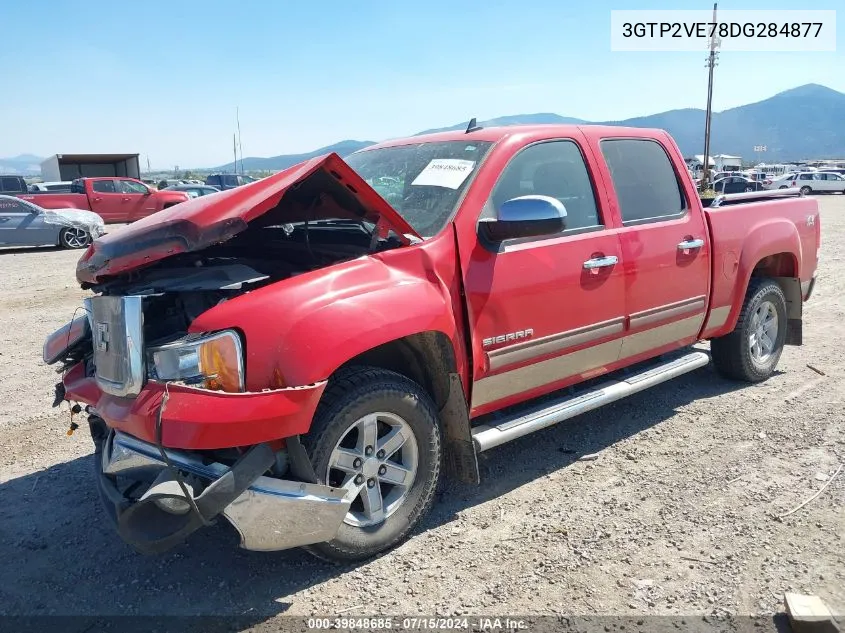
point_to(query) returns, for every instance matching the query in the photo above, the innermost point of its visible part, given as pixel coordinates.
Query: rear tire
(751, 352)
(806, 191)
(783, 187)
(361, 403)
(73, 237)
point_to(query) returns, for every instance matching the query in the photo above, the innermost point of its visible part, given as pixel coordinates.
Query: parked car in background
(779, 182)
(114, 199)
(736, 184)
(310, 356)
(13, 185)
(228, 181)
(819, 182)
(23, 223)
(39, 187)
(195, 191)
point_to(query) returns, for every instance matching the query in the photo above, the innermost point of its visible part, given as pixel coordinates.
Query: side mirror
(525, 216)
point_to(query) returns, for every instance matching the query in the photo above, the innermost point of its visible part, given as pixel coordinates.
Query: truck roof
(495, 134)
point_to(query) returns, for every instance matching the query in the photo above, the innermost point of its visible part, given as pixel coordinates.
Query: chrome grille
(117, 326)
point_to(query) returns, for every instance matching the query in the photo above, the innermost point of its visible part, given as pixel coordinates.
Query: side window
(10, 184)
(130, 186)
(555, 169)
(644, 179)
(103, 186)
(805, 177)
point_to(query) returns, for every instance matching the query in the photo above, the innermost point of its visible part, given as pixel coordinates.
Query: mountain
(22, 165)
(543, 118)
(804, 122)
(277, 163)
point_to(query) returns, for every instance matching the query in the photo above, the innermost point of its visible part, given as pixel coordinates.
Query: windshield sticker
(445, 172)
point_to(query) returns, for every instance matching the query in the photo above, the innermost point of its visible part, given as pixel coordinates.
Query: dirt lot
(676, 516)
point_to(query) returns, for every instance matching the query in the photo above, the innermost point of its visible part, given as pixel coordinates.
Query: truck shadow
(61, 557)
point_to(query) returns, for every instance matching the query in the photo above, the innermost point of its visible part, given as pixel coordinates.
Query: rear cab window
(647, 187)
(12, 184)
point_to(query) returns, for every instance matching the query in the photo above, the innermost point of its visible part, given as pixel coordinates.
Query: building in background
(63, 167)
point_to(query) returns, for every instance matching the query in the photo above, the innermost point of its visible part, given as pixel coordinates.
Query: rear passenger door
(664, 244)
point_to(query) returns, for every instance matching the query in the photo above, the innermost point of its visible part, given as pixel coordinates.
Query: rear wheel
(751, 352)
(74, 237)
(376, 434)
(805, 190)
(747, 189)
(783, 187)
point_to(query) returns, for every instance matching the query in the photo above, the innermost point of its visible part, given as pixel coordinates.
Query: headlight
(212, 361)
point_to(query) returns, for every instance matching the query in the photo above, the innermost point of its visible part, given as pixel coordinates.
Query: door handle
(688, 245)
(4, 219)
(601, 262)
(125, 199)
(98, 199)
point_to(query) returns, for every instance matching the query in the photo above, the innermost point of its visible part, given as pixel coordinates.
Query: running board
(489, 436)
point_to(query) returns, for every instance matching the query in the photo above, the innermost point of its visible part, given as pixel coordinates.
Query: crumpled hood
(73, 217)
(323, 187)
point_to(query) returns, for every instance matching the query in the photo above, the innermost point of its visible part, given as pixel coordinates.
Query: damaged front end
(183, 434)
(88, 221)
(158, 497)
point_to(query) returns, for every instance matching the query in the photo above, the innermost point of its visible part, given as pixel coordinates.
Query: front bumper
(196, 419)
(269, 513)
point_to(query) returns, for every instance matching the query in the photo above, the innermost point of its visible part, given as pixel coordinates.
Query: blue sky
(164, 78)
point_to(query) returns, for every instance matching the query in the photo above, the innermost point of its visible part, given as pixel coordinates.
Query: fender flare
(772, 237)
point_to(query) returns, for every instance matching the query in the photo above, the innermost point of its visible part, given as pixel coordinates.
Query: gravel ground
(676, 516)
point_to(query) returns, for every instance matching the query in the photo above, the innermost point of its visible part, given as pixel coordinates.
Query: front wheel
(751, 352)
(74, 237)
(749, 189)
(377, 434)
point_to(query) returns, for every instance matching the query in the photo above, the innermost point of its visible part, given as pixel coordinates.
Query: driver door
(545, 311)
(134, 199)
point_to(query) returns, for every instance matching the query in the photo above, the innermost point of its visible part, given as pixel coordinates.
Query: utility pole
(240, 147)
(711, 64)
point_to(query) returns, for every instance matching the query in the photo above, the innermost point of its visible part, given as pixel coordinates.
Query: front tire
(751, 352)
(74, 237)
(377, 434)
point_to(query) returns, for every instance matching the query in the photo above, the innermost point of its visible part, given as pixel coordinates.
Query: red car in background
(113, 199)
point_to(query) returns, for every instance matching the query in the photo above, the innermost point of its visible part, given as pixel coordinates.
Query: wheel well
(778, 265)
(783, 269)
(426, 358)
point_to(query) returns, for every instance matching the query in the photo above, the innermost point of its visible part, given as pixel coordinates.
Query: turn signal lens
(220, 364)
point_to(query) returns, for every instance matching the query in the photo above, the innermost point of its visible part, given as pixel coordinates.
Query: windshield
(423, 181)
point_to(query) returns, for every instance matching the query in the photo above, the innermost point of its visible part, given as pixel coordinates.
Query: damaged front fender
(76, 218)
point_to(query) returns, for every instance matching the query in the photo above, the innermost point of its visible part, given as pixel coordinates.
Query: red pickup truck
(309, 354)
(113, 199)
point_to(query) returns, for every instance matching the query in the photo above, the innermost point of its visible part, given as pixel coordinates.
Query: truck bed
(746, 228)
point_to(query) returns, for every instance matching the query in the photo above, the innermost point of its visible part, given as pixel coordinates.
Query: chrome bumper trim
(272, 514)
